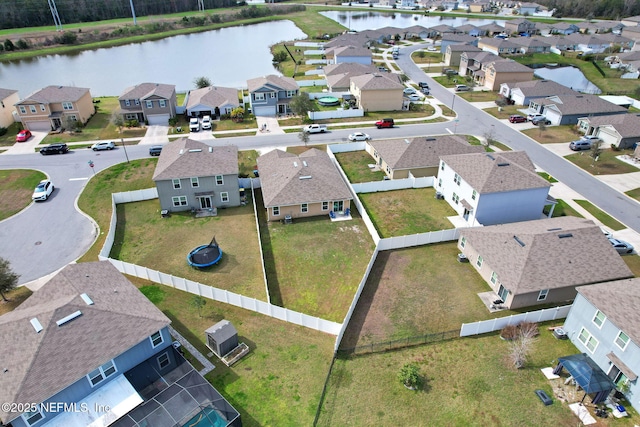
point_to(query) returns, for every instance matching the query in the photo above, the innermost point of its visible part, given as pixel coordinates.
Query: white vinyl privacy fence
(487, 326)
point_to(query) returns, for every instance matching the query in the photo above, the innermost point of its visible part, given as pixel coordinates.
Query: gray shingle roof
(186, 158)
(283, 178)
(350, 51)
(530, 42)
(377, 81)
(510, 66)
(496, 172)
(461, 38)
(279, 82)
(463, 48)
(145, 90)
(39, 365)
(548, 253)
(213, 96)
(421, 152)
(5, 93)
(349, 67)
(55, 94)
(581, 104)
(627, 125)
(619, 301)
(541, 88)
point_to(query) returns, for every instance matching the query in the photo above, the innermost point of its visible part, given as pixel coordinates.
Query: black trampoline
(206, 255)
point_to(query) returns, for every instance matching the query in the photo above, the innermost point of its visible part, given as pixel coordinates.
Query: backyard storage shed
(222, 338)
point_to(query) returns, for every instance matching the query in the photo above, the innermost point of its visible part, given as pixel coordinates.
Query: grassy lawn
(143, 237)
(314, 265)
(603, 217)
(562, 209)
(548, 177)
(15, 297)
(9, 138)
(355, 166)
(17, 188)
(633, 262)
(478, 96)
(553, 134)
(426, 57)
(607, 163)
(404, 212)
(634, 194)
(279, 382)
(465, 381)
(507, 110)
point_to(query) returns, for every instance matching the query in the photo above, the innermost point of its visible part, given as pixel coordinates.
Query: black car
(423, 85)
(155, 150)
(54, 149)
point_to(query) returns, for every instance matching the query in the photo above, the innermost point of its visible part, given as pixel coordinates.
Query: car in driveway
(621, 246)
(43, 190)
(206, 123)
(415, 97)
(54, 149)
(462, 88)
(535, 116)
(517, 119)
(580, 144)
(155, 150)
(359, 136)
(409, 91)
(543, 119)
(103, 145)
(194, 124)
(590, 138)
(23, 135)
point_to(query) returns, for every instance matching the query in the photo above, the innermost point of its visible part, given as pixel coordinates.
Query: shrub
(509, 332)
(409, 375)
(3, 130)
(132, 123)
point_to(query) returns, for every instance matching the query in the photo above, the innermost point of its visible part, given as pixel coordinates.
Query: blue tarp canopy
(587, 374)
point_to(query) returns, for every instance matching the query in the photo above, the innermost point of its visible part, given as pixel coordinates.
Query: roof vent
(211, 149)
(295, 164)
(430, 139)
(564, 236)
(195, 150)
(554, 229)
(304, 163)
(305, 177)
(36, 325)
(181, 151)
(86, 299)
(407, 141)
(69, 318)
(503, 164)
(520, 242)
(491, 157)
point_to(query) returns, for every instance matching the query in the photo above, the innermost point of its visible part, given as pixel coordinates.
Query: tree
(520, 346)
(595, 151)
(489, 137)
(421, 54)
(280, 56)
(8, 279)
(409, 375)
(302, 104)
(200, 82)
(304, 137)
(198, 302)
(70, 123)
(542, 126)
(237, 114)
(8, 45)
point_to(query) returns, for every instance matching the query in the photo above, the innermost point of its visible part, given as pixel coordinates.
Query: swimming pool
(208, 417)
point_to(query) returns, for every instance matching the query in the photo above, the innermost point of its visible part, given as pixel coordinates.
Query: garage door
(264, 111)
(607, 139)
(41, 125)
(159, 119)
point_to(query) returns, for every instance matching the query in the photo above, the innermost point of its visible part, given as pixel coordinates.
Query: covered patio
(587, 375)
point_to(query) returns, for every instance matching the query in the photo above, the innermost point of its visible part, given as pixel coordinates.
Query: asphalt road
(48, 235)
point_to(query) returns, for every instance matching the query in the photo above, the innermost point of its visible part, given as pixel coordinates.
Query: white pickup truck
(315, 128)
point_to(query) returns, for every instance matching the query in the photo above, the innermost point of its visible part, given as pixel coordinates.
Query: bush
(512, 332)
(132, 123)
(173, 121)
(3, 130)
(409, 375)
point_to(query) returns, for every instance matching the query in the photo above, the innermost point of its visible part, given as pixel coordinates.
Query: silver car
(104, 145)
(621, 246)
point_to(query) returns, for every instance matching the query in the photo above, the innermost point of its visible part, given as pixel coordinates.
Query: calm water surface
(570, 77)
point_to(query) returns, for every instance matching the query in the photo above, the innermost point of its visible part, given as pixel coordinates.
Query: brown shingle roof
(145, 90)
(55, 94)
(283, 178)
(186, 158)
(350, 51)
(279, 82)
(542, 88)
(349, 67)
(496, 172)
(377, 81)
(5, 93)
(619, 301)
(213, 96)
(581, 104)
(463, 48)
(549, 253)
(39, 365)
(421, 152)
(627, 125)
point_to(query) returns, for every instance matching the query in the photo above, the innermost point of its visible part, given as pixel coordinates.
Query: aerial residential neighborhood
(392, 224)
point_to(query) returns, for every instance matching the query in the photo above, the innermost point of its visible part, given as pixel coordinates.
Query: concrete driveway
(155, 135)
(29, 146)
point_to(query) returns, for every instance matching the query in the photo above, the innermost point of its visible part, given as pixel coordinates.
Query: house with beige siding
(8, 98)
(520, 25)
(618, 130)
(301, 186)
(498, 46)
(534, 262)
(151, 103)
(420, 156)
(472, 61)
(377, 92)
(338, 76)
(504, 71)
(454, 51)
(50, 108)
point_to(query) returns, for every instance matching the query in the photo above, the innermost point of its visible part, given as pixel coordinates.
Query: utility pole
(133, 12)
(54, 13)
(200, 5)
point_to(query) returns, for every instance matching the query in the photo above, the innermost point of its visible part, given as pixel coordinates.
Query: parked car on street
(155, 150)
(621, 246)
(359, 136)
(385, 123)
(462, 88)
(54, 149)
(423, 85)
(104, 145)
(315, 128)
(23, 135)
(517, 119)
(580, 144)
(43, 190)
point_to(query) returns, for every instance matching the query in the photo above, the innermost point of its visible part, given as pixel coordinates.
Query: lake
(228, 57)
(570, 77)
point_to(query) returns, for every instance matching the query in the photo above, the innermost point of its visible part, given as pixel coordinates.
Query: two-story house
(338, 76)
(193, 175)
(212, 101)
(520, 25)
(603, 324)
(377, 92)
(503, 71)
(270, 95)
(301, 186)
(493, 188)
(8, 98)
(89, 349)
(527, 263)
(151, 103)
(52, 107)
(472, 61)
(454, 52)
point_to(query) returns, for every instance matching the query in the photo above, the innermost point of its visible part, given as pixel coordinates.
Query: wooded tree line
(599, 9)
(35, 13)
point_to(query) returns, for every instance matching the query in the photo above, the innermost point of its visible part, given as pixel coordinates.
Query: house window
(224, 197)
(23, 110)
(32, 417)
(543, 294)
(455, 198)
(258, 96)
(388, 170)
(473, 195)
(32, 108)
(589, 341)
(67, 106)
(622, 340)
(304, 208)
(130, 117)
(156, 339)
(163, 360)
(463, 241)
(479, 261)
(272, 95)
(441, 166)
(439, 182)
(276, 210)
(179, 201)
(103, 372)
(325, 206)
(137, 102)
(162, 103)
(456, 178)
(219, 180)
(291, 93)
(176, 184)
(599, 318)
(43, 108)
(149, 104)
(494, 277)
(127, 102)
(195, 183)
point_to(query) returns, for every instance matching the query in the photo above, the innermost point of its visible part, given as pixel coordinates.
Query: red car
(517, 119)
(23, 135)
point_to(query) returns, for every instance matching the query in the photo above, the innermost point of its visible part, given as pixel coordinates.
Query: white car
(105, 145)
(206, 123)
(43, 190)
(415, 97)
(359, 136)
(409, 91)
(194, 124)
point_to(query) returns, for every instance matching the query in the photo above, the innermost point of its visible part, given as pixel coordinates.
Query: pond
(570, 77)
(228, 57)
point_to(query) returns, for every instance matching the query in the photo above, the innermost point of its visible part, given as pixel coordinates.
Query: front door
(57, 123)
(465, 215)
(205, 202)
(282, 108)
(503, 293)
(337, 206)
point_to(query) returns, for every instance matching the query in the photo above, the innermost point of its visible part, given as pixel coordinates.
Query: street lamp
(453, 102)
(125, 148)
